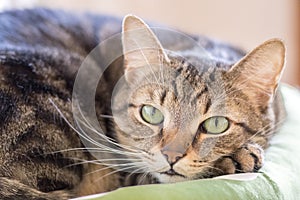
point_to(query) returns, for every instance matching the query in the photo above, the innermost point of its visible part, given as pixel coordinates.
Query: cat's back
(55, 28)
(81, 32)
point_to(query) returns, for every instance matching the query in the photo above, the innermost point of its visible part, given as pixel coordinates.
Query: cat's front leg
(248, 158)
(13, 189)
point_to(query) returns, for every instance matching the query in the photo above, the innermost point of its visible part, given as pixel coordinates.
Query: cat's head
(184, 112)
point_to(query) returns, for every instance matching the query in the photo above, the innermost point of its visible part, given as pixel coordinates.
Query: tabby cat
(178, 115)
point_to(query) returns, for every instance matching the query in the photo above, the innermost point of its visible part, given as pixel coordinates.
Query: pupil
(216, 122)
(153, 110)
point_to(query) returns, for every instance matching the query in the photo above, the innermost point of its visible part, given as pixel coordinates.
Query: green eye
(216, 125)
(152, 115)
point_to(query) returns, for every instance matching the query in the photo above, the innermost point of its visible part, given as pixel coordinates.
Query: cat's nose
(172, 156)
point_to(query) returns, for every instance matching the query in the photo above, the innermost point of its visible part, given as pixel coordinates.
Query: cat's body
(40, 53)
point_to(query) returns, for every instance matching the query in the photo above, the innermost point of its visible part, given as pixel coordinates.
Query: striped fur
(40, 53)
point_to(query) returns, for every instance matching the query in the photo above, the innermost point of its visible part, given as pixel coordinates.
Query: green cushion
(278, 179)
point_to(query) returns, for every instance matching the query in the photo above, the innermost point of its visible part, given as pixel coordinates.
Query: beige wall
(243, 23)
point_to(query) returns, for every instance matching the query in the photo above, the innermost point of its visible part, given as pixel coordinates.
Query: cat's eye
(216, 125)
(152, 115)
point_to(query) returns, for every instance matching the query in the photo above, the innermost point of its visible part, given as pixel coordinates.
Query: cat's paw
(248, 158)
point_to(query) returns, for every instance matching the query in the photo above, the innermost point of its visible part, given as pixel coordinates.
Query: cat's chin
(170, 178)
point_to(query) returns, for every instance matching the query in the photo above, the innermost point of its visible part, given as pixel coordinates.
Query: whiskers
(107, 116)
(108, 153)
(268, 130)
(137, 167)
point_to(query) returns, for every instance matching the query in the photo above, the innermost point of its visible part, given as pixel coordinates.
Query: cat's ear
(141, 48)
(259, 72)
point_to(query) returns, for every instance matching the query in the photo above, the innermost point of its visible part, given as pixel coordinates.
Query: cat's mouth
(171, 172)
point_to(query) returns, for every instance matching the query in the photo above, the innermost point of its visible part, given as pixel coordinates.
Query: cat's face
(185, 117)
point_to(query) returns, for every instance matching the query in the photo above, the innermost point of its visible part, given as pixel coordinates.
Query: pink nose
(172, 156)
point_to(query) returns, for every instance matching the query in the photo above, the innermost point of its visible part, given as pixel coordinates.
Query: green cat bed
(278, 179)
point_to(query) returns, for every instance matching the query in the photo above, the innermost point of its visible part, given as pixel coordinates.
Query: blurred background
(242, 23)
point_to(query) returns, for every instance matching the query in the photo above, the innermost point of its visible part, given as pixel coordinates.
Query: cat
(178, 115)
